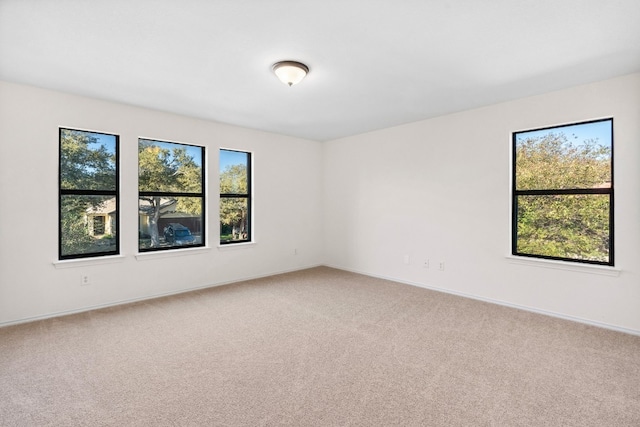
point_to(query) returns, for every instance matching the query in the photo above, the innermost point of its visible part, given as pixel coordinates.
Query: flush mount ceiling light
(290, 72)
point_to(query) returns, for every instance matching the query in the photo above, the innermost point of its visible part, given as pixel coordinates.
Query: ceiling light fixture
(290, 72)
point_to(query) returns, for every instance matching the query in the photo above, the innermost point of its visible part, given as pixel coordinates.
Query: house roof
(166, 206)
(104, 208)
(373, 63)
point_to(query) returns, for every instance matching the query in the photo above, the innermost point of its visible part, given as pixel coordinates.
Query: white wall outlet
(295, 251)
(425, 264)
(407, 260)
(84, 280)
(441, 266)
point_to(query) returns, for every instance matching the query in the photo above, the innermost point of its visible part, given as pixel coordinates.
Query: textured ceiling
(374, 63)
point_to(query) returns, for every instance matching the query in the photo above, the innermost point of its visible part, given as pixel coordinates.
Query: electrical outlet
(441, 267)
(84, 280)
(407, 260)
(425, 264)
(295, 251)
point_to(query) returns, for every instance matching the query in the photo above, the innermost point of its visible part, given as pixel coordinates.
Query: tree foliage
(84, 164)
(574, 226)
(553, 162)
(75, 236)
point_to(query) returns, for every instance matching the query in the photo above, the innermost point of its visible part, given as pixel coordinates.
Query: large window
(88, 194)
(171, 203)
(563, 192)
(235, 196)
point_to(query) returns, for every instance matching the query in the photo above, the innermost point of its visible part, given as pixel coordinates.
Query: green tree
(553, 162)
(234, 210)
(163, 170)
(75, 237)
(572, 226)
(85, 164)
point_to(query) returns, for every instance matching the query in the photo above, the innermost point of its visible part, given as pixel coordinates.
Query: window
(88, 194)
(235, 196)
(563, 192)
(98, 225)
(171, 203)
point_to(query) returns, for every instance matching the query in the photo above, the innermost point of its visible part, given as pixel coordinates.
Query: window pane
(169, 167)
(88, 224)
(566, 157)
(87, 160)
(234, 224)
(168, 222)
(233, 172)
(564, 226)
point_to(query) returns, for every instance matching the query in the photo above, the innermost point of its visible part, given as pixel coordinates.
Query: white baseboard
(242, 279)
(498, 302)
(147, 297)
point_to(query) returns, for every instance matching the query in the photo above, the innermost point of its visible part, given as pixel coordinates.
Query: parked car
(178, 234)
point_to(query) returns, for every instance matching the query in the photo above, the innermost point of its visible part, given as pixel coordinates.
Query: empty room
(305, 213)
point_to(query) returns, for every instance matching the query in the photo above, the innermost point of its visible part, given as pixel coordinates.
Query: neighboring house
(168, 214)
(101, 219)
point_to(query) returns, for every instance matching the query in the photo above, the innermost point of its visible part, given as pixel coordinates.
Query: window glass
(88, 194)
(171, 201)
(235, 196)
(563, 192)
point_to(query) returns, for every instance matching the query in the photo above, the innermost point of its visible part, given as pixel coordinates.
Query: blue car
(178, 234)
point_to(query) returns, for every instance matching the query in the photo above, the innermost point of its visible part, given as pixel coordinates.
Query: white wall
(439, 189)
(287, 188)
(436, 189)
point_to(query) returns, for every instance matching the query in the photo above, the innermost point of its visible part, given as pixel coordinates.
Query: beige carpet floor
(319, 347)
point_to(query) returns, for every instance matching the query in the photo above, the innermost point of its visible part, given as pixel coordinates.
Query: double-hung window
(171, 195)
(88, 194)
(235, 196)
(563, 193)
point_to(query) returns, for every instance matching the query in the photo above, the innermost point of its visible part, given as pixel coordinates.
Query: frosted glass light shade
(290, 72)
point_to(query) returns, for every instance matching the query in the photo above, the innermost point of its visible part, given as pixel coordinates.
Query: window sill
(146, 256)
(83, 262)
(232, 246)
(563, 265)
